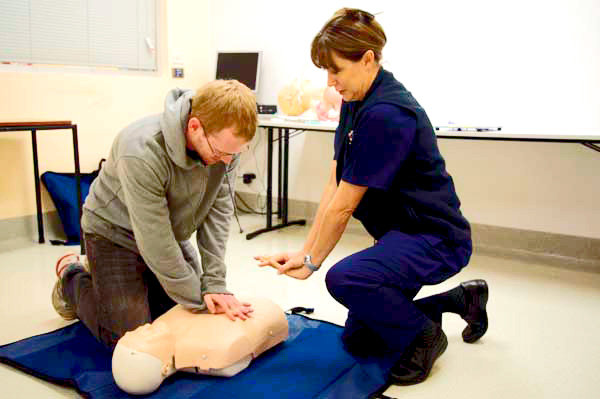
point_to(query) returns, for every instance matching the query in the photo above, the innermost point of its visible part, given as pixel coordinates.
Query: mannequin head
(143, 358)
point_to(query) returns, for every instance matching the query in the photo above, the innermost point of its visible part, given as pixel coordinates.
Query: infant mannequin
(201, 343)
(328, 109)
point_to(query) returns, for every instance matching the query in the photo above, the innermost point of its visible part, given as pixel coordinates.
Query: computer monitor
(241, 66)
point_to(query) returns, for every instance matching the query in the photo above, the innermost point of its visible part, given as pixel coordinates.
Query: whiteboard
(527, 65)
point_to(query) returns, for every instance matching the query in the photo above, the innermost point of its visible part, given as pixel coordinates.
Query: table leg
(78, 182)
(285, 202)
(38, 194)
(269, 177)
(286, 161)
(279, 175)
(592, 146)
(283, 175)
(250, 236)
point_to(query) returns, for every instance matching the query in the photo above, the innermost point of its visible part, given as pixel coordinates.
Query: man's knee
(124, 314)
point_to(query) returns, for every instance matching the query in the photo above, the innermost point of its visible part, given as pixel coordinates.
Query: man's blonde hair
(222, 104)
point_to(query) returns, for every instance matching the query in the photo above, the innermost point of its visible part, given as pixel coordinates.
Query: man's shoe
(61, 306)
(417, 361)
(476, 297)
(59, 303)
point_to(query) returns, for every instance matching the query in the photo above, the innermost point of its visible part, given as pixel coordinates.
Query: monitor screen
(242, 66)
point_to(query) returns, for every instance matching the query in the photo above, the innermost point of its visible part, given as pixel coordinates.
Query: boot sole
(483, 295)
(441, 349)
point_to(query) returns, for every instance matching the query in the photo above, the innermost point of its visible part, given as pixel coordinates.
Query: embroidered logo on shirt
(350, 136)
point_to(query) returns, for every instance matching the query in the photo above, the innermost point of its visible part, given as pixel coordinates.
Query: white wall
(544, 187)
(100, 103)
(529, 65)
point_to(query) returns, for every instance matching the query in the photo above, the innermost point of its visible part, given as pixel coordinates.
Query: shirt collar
(374, 85)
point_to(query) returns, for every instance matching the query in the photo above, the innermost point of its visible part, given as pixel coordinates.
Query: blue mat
(311, 363)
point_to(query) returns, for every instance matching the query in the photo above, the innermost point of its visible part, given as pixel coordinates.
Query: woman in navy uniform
(388, 173)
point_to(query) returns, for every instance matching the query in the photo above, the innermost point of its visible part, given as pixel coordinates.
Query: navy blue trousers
(378, 286)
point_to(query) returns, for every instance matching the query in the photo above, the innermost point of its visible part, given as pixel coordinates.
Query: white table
(285, 124)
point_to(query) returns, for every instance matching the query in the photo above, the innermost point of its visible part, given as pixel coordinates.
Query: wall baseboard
(26, 227)
(581, 253)
(559, 250)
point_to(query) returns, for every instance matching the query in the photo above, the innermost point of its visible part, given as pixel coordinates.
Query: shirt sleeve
(149, 215)
(213, 233)
(378, 146)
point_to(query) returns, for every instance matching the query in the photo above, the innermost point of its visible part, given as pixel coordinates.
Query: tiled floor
(541, 342)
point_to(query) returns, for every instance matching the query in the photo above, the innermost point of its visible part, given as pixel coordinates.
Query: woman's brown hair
(349, 33)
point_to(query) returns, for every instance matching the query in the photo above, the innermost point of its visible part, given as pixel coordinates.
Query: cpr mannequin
(201, 343)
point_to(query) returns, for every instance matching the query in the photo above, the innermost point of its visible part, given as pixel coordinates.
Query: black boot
(363, 342)
(417, 360)
(476, 297)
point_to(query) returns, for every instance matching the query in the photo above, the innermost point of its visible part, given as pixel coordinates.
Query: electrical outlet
(248, 177)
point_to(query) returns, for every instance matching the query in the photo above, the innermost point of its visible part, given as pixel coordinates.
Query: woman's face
(352, 78)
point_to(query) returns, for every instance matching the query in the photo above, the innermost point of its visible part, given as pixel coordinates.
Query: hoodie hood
(173, 123)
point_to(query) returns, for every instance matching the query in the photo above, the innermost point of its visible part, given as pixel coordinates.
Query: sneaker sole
(60, 305)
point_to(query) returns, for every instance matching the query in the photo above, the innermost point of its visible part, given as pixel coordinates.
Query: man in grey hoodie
(167, 176)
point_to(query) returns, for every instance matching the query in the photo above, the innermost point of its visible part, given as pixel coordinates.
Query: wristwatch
(308, 263)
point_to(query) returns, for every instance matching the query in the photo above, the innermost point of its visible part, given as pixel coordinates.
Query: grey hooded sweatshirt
(151, 196)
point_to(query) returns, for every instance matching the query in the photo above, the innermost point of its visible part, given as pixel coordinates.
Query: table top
(296, 123)
(303, 124)
(37, 123)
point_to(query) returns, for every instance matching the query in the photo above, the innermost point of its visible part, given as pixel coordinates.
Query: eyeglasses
(219, 154)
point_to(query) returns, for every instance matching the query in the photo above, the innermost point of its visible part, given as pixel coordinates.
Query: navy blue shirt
(386, 142)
